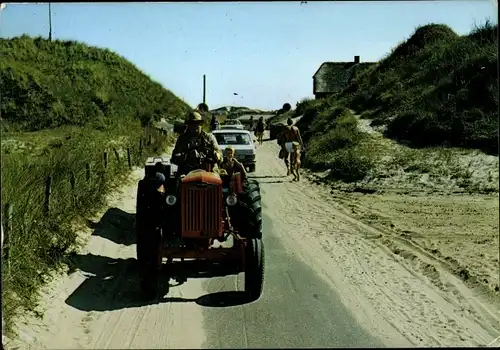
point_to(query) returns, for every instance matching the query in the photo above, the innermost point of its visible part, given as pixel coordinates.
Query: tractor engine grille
(201, 210)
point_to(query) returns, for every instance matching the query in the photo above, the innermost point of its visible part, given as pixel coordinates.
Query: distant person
(250, 123)
(295, 161)
(259, 129)
(214, 123)
(289, 134)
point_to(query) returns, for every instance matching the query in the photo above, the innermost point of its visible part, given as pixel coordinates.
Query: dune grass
(435, 89)
(39, 242)
(46, 84)
(63, 105)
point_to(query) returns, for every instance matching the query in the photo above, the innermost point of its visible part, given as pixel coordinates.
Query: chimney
(356, 59)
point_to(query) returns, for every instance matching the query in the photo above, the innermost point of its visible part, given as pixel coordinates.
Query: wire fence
(44, 196)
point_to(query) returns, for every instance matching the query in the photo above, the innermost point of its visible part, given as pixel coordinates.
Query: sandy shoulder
(395, 289)
(97, 306)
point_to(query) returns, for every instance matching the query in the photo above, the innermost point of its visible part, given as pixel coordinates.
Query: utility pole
(50, 23)
(204, 88)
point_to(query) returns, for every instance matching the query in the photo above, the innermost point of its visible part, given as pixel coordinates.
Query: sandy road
(329, 282)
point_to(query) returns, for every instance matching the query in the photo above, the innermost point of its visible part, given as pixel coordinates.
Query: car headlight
(171, 199)
(231, 200)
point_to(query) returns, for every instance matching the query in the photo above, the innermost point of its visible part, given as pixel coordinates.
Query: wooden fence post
(9, 210)
(48, 192)
(105, 160)
(128, 158)
(87, 171)
(116, 155)
(72, 181)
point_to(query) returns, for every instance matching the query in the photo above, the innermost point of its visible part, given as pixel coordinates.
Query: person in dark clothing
(250, 124)
(195, 145)
(259, 129)
(214, 123)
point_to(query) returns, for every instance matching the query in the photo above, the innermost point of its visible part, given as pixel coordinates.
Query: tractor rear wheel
(148, 255)
(148, 241)
(254, 268)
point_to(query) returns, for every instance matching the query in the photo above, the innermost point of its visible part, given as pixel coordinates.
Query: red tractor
(181, 216)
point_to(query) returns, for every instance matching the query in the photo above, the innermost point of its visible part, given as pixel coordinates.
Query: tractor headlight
(231, 200)
(171, 200)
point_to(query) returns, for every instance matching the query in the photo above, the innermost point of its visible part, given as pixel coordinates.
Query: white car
(243, 143)
(232, 124)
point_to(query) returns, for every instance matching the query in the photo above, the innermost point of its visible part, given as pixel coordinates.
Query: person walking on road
(214, 123)
(290, 134)
(259, 129)
(250, 124)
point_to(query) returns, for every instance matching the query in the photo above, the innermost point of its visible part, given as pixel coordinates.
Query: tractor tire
(250, 214)
(140, 219)
(148, 240)
(148, 255)
(254, 268)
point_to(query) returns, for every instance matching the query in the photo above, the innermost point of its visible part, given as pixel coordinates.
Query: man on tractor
(183, 218)
(195, 148)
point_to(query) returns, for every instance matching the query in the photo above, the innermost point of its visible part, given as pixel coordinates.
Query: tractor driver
(195, 144)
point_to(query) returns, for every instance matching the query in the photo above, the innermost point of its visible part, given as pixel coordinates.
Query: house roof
(333, 76)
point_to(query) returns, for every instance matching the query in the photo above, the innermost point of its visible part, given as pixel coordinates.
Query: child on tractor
(231, 165)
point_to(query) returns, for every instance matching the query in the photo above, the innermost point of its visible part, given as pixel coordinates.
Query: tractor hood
(202, 176)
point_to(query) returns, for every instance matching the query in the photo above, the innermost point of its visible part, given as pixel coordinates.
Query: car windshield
(233, 139)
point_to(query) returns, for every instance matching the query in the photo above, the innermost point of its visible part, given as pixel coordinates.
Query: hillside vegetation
(46, 84)
(64, 105)
(435, 89)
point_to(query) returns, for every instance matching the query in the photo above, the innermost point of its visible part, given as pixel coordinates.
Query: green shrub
(339, 148)
(436, 87)
(312, 110)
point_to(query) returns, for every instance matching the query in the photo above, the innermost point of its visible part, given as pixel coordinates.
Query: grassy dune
(63, 105)
(436, 89)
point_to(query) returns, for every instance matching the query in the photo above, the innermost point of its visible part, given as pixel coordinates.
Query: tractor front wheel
(249, 216)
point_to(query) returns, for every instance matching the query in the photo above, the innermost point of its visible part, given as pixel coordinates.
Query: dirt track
(331, 280)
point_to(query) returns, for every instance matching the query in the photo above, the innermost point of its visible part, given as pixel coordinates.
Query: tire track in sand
(371, 276)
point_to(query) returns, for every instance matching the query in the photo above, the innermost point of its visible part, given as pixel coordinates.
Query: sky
(266, 52)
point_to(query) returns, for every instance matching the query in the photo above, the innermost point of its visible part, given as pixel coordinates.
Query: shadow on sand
(272, 182)
(267, 176)
(113, 284)
(116, 225)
